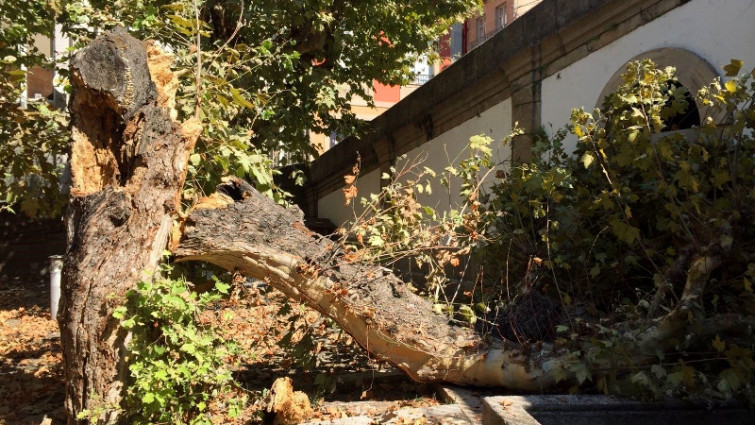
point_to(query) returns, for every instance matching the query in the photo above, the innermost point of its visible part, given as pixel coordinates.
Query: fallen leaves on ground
(32, 389)
(31, 381)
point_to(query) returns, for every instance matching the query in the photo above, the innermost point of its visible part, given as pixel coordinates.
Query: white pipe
(56, 265)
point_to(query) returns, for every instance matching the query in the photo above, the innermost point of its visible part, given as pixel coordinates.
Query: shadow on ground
(31, 385)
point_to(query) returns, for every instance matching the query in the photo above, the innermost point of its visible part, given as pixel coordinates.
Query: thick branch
(260, 239)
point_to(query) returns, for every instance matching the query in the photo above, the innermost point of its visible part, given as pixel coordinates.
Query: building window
(692, 73)
(480, 29)
(501, 20)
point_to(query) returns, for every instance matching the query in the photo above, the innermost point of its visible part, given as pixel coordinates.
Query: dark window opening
(675, 118)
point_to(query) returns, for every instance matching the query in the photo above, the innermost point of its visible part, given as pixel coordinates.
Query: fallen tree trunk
(241, 230)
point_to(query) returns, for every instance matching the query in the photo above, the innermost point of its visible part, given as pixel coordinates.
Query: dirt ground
(31, 385)
(32, 389)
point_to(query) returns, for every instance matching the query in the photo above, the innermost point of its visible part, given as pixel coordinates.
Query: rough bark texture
(128, 164)
(240, 229)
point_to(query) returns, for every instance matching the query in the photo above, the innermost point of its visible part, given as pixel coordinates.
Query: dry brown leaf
(349, 193)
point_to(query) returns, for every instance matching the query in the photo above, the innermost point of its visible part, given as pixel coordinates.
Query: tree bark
(241, 230)
(128, 163)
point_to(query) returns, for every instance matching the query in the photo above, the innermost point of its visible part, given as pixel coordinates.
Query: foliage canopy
(260, 75)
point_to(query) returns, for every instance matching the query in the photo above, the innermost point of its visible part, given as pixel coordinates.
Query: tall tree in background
(260, 75)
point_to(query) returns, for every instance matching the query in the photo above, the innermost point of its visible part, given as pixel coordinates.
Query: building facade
(560, 55)
(494, 17)
(461, 38)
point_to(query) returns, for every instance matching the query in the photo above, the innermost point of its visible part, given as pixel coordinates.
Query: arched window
(688, 118)
(692, 72)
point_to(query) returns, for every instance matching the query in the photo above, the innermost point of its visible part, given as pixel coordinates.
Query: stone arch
(692, 71)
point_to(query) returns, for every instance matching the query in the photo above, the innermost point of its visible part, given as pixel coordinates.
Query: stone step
(603, 410)
(468, 400)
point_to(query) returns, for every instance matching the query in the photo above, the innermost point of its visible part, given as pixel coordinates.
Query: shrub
(177, 366)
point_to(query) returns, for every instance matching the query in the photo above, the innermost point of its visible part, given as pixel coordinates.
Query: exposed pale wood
(245, 231)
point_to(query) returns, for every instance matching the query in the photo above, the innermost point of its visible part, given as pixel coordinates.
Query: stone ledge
(603, 410)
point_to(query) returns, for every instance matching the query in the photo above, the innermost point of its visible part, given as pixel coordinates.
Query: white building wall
(331, 206)
(451, 148)
(448, 148)
(716, 30)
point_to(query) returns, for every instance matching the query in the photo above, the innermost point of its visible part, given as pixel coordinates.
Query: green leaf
(119, 312)
(624, 232)
(595, 271)
(581, 372)
(719, 345)
(641, 378)
(732, 86)
(556, 369)
(239, 99)
(222, 287)
(376, 241)
(128, 324)
(481, 143)
(467, 314)
(658, 371)
(262, 176)
(721, 177)
(687, 180)
(732, 379)
(188, 348)
(195, 159)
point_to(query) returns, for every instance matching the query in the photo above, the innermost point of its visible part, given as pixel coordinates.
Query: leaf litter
(269, 332)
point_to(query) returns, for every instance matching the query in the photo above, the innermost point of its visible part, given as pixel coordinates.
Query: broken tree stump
(128, 164)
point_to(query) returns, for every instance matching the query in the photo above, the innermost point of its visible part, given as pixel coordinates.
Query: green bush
(627, 212)
(603, 242)
(177, 366)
